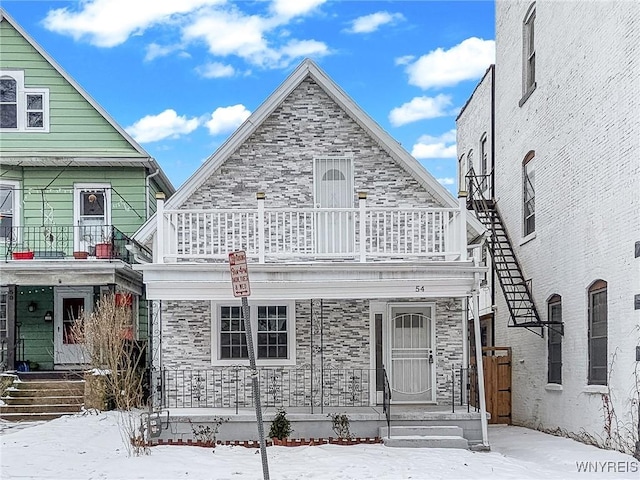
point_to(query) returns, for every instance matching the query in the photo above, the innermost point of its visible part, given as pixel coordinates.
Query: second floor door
(333, 183)
(92, 216)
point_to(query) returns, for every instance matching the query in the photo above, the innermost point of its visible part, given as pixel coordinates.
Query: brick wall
(583, 122)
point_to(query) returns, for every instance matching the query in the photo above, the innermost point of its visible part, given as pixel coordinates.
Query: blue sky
(181, 75)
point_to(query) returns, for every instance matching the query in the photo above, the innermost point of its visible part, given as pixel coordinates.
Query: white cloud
(215, 70)
(443, 146)
(404, 60)
(107, 23)
(293, 8)
(304, 48)
(164, 125)
(447, 181)
(371, 23)
(420, 108)
(227, 119)
(156, 51)
(440, 68)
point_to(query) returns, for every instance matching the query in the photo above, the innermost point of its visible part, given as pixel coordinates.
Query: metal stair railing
(515, 288)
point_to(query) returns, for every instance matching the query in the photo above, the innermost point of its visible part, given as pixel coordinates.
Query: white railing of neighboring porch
(276, 234)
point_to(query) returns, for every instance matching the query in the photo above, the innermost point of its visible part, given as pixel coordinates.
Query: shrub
(281, 426)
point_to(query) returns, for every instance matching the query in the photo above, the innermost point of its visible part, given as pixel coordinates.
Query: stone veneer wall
(278, 160)
(334, 334)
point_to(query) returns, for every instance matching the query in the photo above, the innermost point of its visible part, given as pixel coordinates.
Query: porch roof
(348, 280)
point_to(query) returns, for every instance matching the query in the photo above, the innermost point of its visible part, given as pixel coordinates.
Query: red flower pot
(22, 255)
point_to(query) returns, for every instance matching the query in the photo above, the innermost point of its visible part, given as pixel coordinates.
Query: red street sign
(239, 274)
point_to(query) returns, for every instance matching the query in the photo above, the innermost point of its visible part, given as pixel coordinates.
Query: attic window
(22, 109)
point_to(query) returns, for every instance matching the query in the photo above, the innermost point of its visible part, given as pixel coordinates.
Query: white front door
(411, 353)
(92, 215)
(70, 303)
(334, 191)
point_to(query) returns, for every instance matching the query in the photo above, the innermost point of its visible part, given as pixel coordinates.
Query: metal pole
(479, 366)
(256, 388)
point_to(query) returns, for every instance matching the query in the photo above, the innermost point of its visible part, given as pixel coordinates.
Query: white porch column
(260, 196)
(160, 233)
(462, 225)
(479, 366)
(362, 203)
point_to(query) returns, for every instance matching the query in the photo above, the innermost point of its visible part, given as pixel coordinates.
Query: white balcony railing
(302, 234)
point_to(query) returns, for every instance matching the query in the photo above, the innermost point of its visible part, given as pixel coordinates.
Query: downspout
(478, 345)
(493, 196)
(146, 191)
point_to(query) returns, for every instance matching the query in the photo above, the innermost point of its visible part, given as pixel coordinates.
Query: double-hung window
(528, 195)
(598, 324)
(554, 315)
(528, 54)
(22, 109)
(273, 333)
(9, 211)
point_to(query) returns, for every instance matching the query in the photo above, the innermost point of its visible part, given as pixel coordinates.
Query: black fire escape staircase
(516, 290)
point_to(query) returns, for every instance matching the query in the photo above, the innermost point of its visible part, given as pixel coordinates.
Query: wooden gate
(497, 382)
(496, 362)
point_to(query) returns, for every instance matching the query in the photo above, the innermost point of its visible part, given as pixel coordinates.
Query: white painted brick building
(576, 116)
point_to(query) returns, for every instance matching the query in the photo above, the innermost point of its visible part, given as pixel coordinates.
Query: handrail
(386, 401)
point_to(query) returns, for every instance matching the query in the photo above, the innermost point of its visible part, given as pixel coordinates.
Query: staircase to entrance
(42, 396)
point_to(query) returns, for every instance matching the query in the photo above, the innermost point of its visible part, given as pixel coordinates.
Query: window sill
(244, 363)
(527, 238)
(527, 94)
(596, 389)
(553, 387)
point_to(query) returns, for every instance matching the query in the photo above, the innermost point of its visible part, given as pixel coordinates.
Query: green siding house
(74, 187)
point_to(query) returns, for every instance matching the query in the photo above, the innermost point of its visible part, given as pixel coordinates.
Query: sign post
(241, 288)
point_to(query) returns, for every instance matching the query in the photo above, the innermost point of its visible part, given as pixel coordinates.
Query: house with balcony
(74, 187)
(359, 267)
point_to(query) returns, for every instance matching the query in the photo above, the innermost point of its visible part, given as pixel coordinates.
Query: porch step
(410, 436)
(42, 399)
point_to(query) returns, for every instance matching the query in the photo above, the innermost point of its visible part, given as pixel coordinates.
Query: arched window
(597, 336)
(8, 102)
(528, 194)
(554, 341)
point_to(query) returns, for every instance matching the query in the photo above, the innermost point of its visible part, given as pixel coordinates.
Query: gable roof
(308, 68)
(148, 160)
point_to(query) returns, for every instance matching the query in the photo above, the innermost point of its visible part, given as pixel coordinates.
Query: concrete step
(71, 385)
(61, 408)
(37, 400)
(426, 441)
(32, 417)
(421, 430)
(41, 392)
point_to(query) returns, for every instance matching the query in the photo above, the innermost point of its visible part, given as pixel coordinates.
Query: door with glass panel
(333, 181)
(92, 209)
(71, 305)
(411, 354)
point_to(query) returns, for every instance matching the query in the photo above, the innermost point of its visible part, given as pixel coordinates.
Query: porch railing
(464, 388)
(272, 234)
(69, 241)
(230, 387)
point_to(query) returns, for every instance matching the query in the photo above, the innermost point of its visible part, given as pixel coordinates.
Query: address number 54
(419, 288)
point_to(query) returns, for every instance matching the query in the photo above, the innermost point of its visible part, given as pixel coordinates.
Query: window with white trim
(22, 109)
(273, 330)
(528, 195)
(9, 210)
(598, 325)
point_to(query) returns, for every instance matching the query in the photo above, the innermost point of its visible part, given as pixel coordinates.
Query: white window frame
(21, 96)
(83, 187)
(291, 333)
(16, 210)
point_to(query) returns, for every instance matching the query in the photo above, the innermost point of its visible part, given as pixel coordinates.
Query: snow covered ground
(90, 447)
